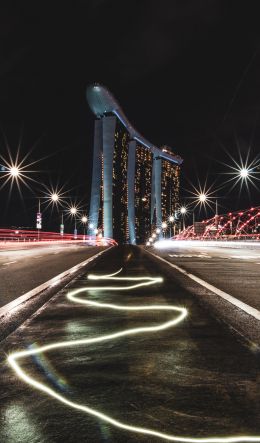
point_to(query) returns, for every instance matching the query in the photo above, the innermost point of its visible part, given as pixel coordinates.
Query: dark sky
(186, 73)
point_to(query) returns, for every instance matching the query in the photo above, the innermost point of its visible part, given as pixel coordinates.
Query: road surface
(233, 270)
(23, 269)
(192, 379)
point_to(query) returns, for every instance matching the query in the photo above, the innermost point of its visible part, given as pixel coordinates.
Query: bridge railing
(238, 225)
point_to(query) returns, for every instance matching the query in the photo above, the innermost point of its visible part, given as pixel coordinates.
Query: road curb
(239, 320)
(13, 314)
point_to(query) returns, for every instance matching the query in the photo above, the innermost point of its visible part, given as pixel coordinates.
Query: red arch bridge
(238, 225)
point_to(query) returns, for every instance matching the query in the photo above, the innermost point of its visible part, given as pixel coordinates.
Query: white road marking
(190, 256)
(9, 263)
(244, 257)
(234, 301)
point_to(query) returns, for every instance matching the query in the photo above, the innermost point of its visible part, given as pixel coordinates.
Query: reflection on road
(136, 282)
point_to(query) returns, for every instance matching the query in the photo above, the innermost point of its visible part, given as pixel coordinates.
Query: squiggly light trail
(13, 358)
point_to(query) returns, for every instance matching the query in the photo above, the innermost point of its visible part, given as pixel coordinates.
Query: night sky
(186, 73)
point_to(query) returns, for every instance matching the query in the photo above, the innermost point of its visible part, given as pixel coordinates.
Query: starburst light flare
(242, 171)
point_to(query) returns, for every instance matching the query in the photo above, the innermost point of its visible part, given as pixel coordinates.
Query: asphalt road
(233, 270)
(23, 269)
(193, 379)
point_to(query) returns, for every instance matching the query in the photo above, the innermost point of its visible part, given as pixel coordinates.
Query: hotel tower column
(157, 164)
(131, 190)
(96, 176)
(109, 125)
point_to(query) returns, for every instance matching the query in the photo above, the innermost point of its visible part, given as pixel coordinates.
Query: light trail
(14, 357)
(172, 244)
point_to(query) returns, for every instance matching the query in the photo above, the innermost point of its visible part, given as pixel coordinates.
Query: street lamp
(14, 171)
(84, 220)
(73, 210)
(171, 220)
(164, 227)
(158, 230)
(202, 198)
(183, 211)
(244, 173)
(55, 197)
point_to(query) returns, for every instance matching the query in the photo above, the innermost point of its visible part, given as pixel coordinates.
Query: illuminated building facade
(120, 160)
(134, 183)
(170, 188)
(143, 192)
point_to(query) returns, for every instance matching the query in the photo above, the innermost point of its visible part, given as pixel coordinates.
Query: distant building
(170, 186)
(135, 185)
(143, 192)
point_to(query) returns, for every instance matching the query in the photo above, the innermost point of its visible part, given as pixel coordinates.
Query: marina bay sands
(135, 184)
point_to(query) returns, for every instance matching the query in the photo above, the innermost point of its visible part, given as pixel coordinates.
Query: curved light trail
(73, 296)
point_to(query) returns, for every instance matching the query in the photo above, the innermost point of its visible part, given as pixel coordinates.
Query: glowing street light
(158, 230)
(244, 172)
(171, 219)
(55, 197)
(84, 220)
(91, 226)
(148, 243)
(14, 171)
(164, 227)
(183, 211)
(73, 210)
(154, 235)
(150, 239)
(202, 197)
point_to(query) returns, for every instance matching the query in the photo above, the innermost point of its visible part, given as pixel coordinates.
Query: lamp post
(171, 220)
(55, 198)
(84, 220)
(73, 211)
(183, 211)
(164, 227)
(39, 219)
(216, 215)
(62, 225)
